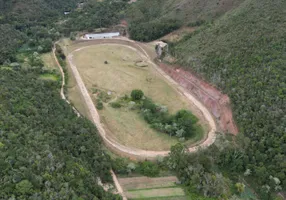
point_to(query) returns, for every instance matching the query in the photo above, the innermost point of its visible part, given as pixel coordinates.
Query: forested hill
(34, 11)
(23, 21)
(150, 20)
(46, 151)
(38, 23)
(243, 53)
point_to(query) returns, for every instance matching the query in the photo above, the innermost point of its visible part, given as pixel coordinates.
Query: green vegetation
(148, 168)
(94, 14)
(241, 53)
(150, 20)
(182, 124)
(124, 167)
(49, 77)
(146, 24)
(136, 95)
(148, 31)
(46, 150)
(38, 24)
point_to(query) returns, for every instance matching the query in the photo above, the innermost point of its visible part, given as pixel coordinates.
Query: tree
(240, 187)
(24, 187)
(148, 168)
(137, 95)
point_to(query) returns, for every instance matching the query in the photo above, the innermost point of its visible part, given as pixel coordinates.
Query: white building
(101, 35)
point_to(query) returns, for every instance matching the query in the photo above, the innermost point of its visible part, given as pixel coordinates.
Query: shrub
(99, 105)
(136, 95)
(115, 105)
(148, 168)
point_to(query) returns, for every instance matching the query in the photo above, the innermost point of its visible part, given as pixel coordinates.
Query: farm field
(152, 188)
(116, 70)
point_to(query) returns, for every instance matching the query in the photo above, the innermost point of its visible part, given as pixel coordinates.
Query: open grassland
(114, 69)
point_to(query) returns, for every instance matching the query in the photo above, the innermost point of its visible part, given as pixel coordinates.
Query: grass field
(49, 61)
(49, 77)
(119, 77)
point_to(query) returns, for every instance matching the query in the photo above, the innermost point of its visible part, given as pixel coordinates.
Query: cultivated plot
(152, 188)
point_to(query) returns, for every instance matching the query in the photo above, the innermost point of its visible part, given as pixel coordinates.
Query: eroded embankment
(216, 102)
(114, 145)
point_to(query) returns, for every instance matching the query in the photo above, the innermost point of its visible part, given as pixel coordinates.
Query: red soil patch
(212, 98)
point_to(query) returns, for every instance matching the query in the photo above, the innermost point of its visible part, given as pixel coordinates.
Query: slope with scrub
(243, 54)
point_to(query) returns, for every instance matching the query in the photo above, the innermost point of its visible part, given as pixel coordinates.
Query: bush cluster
(182, 124)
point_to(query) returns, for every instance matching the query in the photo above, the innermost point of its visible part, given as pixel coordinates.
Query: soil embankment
(216, 102)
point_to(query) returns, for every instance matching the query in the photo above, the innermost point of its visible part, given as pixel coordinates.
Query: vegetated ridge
(243, 54)
(150, 20)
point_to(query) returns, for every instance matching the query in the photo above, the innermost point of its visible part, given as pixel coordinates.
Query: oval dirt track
(135, 153)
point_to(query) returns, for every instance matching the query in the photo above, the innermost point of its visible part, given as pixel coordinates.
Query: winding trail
(114, 145)
(114, 177)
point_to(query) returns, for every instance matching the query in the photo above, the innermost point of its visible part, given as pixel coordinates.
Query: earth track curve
(114, 145)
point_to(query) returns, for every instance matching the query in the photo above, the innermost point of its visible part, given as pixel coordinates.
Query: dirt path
(114, 177)
(117, 185)
(129, 151)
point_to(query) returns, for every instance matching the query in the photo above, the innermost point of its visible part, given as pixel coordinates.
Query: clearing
(116, 70)
(49, 61)
(49, 77)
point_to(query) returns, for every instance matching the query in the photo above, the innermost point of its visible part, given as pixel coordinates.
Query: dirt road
(114, 177)
(114, 145)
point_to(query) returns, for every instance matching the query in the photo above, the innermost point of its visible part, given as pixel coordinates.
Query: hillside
(150, 19)
(29, 21)
(243, 53)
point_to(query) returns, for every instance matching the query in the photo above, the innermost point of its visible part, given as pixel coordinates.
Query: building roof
(94, 35)
(161, 44)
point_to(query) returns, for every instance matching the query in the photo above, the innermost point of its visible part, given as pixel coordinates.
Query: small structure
(67, 12)
(132, 1)
(101, 35)
(161, 49)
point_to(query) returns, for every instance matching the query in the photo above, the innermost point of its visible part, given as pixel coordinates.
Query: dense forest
(46, 151)
(243, 54)
(93, 14)
(35, 25)
(145, 22)
(150, 20)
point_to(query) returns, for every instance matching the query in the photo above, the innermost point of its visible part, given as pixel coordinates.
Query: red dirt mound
(212, 98)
